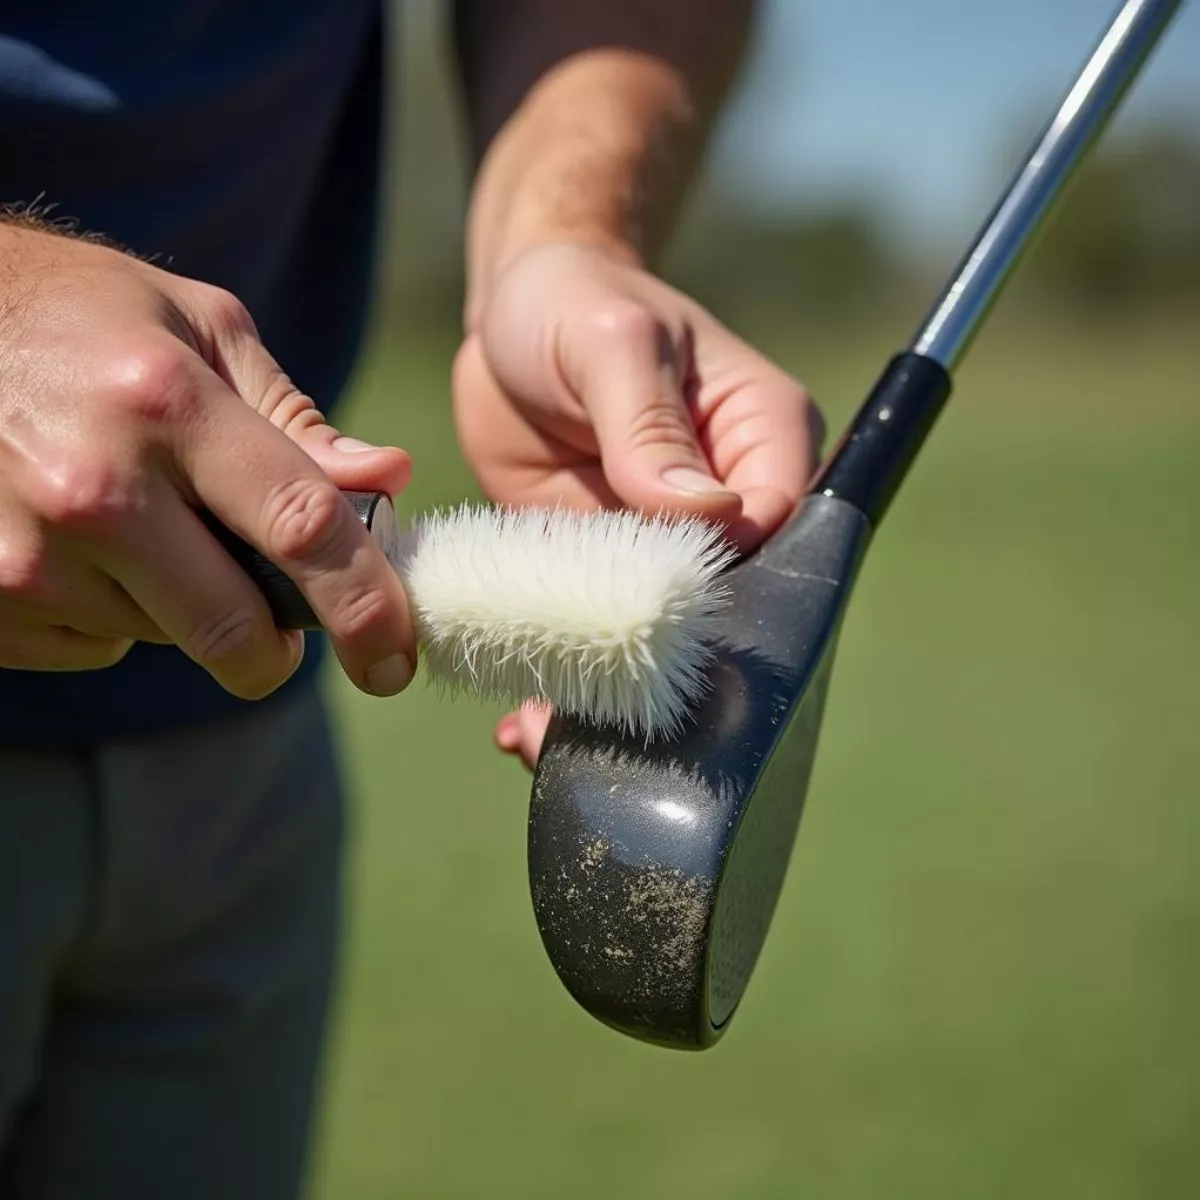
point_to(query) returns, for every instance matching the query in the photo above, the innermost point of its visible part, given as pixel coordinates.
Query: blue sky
(916, 101)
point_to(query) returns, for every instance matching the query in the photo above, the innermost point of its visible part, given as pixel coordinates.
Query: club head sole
(655, 870)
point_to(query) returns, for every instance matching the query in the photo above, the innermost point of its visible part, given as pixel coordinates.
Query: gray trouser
(168, 923)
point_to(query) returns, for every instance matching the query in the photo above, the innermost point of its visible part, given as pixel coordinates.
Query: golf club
(655, 870)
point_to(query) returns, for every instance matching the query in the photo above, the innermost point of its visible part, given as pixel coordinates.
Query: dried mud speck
(646, 922)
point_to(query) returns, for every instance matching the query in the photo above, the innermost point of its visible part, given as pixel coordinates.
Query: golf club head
(655, 870)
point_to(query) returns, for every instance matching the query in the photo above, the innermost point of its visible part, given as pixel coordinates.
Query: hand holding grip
(287, 602)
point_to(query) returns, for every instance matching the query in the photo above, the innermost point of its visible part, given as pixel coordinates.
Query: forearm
(588, 121)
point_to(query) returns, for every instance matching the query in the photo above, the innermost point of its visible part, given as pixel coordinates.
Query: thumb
(354, 465)
(633, 392)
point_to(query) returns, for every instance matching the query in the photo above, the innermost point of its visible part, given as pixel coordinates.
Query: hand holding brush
(632, 463)
(605, 616)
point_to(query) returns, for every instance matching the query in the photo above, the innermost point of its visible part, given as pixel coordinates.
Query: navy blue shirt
(239, 141)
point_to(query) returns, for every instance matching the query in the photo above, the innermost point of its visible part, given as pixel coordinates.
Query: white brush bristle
(606, 615)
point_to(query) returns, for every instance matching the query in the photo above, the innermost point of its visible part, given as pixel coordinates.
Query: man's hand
(591, 383)
(132, 397)
(584, 379)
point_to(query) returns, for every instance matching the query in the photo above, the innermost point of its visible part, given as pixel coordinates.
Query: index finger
(267, 490)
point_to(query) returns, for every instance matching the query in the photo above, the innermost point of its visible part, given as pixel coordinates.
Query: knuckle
(304, 520)
(88, 496)
(227, 315)
(223, 636)
(285, 406)
(627, 321)
(154, 384)
(23, 572)
(359, 611)
(660, 423)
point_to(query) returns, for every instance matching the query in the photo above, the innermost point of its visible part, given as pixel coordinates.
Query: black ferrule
(872, 459)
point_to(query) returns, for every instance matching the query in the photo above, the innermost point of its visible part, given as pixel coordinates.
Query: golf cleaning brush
(605, 615)
(608, 616)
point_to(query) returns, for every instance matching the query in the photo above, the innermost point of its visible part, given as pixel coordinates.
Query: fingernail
(686, 479)
(389, 676)
(352, 445)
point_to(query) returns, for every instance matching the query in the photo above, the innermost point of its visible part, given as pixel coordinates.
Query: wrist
(593, 157)
(525, 242)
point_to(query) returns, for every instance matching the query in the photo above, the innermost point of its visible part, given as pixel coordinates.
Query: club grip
(287, 602)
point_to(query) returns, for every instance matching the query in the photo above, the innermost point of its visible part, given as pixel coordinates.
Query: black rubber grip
(288, 605)
(874, 456)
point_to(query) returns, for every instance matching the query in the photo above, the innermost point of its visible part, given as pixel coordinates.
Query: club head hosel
(874, 455)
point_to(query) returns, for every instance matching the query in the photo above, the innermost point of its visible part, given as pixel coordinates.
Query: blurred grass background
(983, 979)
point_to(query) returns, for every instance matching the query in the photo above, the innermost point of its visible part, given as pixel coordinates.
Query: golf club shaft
(1013, 225)
(879, 447)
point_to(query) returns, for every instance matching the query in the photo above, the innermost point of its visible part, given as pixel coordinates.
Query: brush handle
(287, 602)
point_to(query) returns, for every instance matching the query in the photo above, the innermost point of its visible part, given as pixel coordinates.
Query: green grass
(983, 979)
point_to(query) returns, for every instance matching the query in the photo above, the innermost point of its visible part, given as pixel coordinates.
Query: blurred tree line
(1124, 240)
(1128, 234)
